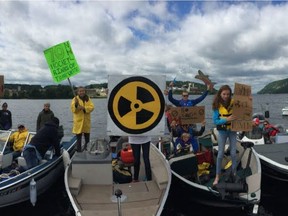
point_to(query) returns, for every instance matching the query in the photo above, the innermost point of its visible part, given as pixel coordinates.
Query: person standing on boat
(81, 107)
(5, 117)
(185, 102)
(138, 142)
(43, 140)
(17, 140)
(222, 117)
(45, 115)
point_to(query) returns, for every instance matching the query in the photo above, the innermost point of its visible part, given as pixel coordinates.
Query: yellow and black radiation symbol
(136, 105)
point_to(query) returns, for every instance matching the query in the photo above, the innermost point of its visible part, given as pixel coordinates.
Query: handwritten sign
(61, 61)
(242, 108)
(188, 115)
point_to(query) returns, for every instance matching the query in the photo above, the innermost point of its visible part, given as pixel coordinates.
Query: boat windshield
(4, 138)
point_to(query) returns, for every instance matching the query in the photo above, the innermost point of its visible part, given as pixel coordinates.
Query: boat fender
(66, 158)
(33, 192)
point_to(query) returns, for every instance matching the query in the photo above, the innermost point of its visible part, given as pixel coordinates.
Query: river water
(55, 201)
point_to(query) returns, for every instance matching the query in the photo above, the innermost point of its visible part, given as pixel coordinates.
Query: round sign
(136, 105)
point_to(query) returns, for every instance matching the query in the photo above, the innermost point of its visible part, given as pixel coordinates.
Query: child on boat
(185, 144)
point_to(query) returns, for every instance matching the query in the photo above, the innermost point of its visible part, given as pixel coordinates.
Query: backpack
(120, 174)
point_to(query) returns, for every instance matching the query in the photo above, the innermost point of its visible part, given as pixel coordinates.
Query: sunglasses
(185, 95)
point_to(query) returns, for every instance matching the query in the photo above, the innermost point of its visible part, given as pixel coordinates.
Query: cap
(256, 121)
(20, 126)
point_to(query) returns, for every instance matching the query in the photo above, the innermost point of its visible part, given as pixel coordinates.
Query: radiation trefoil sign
(136, 105)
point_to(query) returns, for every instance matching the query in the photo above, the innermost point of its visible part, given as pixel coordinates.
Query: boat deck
(276, 152)
(94, 191)
(96, 200)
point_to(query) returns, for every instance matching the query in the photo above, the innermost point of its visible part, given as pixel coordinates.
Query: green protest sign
(61, 61)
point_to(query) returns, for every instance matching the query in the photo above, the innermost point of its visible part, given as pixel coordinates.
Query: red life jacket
(273, 130)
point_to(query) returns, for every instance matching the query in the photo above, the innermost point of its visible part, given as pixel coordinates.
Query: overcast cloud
(245, 42)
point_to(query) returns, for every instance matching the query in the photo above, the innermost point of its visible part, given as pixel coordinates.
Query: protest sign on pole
(62, 62)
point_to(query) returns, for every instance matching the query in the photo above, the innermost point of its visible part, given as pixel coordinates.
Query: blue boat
(17, 187)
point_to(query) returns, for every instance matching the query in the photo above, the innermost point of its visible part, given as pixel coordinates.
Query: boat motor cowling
(231, 189)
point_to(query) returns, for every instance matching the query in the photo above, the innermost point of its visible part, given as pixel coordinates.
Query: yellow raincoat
(18, 138)
(81, 119)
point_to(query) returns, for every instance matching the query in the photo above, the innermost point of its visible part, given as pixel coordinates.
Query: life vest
(223, 112)
(126, 155)
(272, 130)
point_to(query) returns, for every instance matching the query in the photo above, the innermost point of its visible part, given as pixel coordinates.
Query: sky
(231, 41)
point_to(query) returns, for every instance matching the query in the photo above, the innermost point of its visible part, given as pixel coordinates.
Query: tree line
(25, 91)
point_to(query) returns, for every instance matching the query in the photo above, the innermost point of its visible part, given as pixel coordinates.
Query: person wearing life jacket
(222, 117)
(18, 139)
(269, 132)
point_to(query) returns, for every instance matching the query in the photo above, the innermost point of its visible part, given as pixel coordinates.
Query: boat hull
(274, 165)
(209, 197)
(17, 189)
(225, 194)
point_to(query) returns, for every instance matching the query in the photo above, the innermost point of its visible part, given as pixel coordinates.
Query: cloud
(244, 42)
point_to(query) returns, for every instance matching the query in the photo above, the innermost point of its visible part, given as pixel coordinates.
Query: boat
(92, 189)
(19, 185)
(285, 111)
(273, 160)
(242, 191)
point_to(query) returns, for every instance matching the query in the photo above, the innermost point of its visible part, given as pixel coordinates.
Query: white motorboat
(92, 190)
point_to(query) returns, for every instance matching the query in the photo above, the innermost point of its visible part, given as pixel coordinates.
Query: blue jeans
(223, 135)
(136, 154)
(30, 157)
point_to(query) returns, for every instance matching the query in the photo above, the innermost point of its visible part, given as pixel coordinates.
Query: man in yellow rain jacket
(18, 139)
(81, 107)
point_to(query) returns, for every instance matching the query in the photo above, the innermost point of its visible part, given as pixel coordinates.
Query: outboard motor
(228, 187)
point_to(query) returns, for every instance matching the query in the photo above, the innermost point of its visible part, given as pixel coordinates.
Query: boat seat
(74, 185)
(21, 161)
(6, 160)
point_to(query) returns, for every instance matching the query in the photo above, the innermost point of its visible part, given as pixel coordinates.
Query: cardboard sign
(188, 115)
(242, 108)
(61, 61)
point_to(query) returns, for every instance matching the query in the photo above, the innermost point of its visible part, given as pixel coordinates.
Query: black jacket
(47, 137)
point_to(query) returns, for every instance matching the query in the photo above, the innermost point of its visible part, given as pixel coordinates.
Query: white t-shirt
(139, 139)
